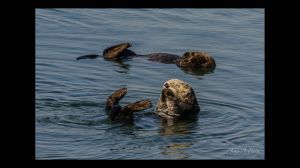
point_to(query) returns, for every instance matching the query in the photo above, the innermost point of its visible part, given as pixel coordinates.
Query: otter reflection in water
(178, 126)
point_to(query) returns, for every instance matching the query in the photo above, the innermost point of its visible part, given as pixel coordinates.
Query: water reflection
(176, 150)
(124, 68)
(178, 126)
(181, 126)
(195, 72)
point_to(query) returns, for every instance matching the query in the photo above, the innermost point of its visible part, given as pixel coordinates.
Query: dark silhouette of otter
(197, 60)
(116, 112)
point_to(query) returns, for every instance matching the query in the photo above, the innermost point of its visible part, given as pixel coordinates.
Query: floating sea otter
(192, 60)
(177, 99)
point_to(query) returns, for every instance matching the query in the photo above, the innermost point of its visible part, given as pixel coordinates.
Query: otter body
(198, 60)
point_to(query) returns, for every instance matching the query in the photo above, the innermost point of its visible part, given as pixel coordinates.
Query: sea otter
(197, 60)
(177, 99)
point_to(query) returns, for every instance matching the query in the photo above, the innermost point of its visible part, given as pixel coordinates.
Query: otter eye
(170, 93)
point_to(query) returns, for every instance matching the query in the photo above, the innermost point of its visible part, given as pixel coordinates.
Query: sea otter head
(177, 98)
(197, 60)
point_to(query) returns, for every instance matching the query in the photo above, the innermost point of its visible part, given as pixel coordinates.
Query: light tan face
(177, 98)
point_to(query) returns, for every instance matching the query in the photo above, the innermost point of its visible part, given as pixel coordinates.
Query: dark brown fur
(117, 51)
(163, 58)
(117, 112)
(197, 60)
(114, 98)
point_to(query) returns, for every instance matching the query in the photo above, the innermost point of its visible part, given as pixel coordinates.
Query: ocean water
(70, 94)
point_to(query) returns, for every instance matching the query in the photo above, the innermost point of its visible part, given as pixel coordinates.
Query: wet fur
(177, 99)
(163, 58)
(198, 60)
(114, 98)
(117, 51)
(116, 112)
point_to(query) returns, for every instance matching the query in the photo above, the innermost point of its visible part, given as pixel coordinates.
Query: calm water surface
(71, 122)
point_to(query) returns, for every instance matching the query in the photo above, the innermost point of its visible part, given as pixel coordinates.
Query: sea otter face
(177, 98)
(197, 60)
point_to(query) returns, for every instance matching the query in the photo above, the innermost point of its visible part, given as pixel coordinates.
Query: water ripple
(71, 121)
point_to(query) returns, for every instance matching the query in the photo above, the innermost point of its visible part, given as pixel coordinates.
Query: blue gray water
(71, 122)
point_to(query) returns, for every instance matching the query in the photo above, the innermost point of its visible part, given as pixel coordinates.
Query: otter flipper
(90, 56)
(117, 112)
(117, 51)
(114, 98)
(126, 113)
(137, 106)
